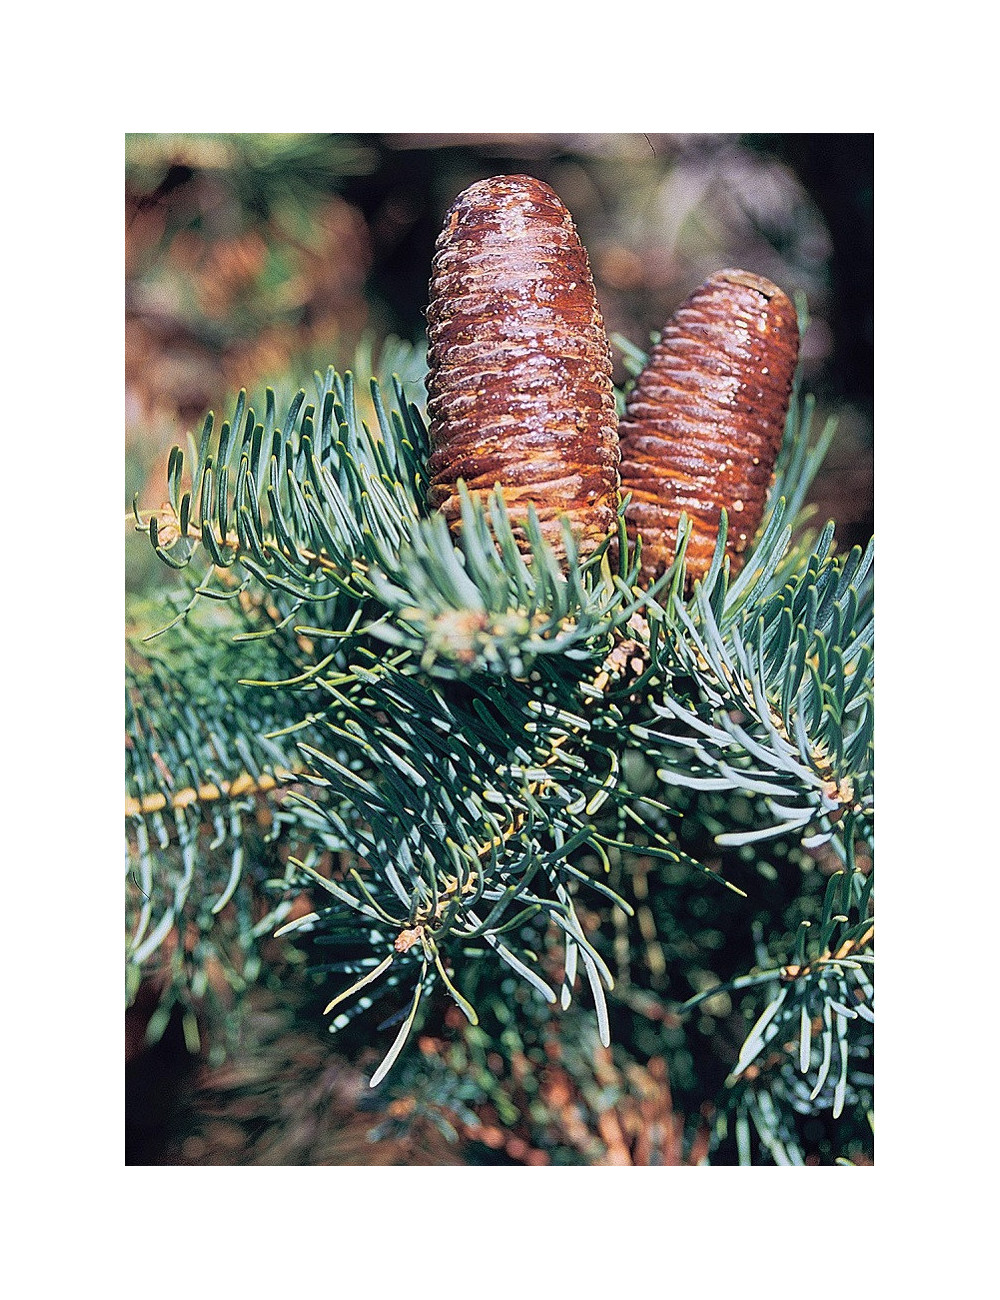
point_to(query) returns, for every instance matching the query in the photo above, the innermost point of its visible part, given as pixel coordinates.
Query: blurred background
(251, 260)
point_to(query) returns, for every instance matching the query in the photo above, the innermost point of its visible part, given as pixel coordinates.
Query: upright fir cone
(704, 423)
(520, 390)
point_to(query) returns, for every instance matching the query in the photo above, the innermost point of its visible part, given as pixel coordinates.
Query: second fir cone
(704, 423)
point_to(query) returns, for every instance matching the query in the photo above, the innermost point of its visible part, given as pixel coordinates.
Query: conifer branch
(451, 722)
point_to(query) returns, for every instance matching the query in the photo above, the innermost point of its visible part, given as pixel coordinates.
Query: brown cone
(520, 390)
(704, 423)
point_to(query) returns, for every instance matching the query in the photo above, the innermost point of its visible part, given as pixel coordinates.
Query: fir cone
(704, 423)
(519, 386)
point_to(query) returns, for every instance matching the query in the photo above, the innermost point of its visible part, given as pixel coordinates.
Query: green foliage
(200, 746)
(784, 706)
(266, 176)
(488, 757)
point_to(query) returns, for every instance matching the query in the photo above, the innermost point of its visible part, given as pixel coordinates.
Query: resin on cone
(519, 386)
(704, 423)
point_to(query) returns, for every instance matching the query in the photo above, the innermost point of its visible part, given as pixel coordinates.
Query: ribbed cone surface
(519, 386)
(704, 423)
